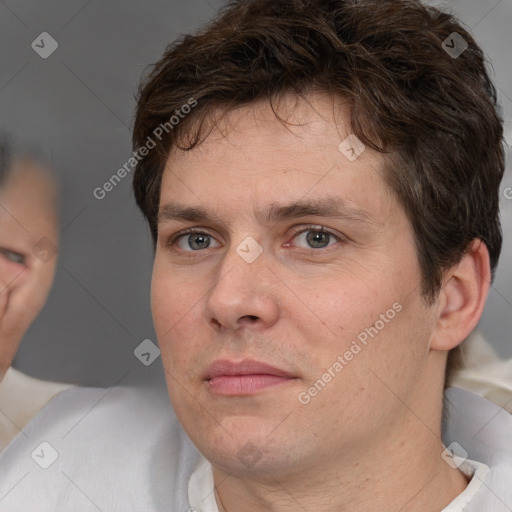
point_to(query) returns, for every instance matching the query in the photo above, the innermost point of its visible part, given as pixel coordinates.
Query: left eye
(316, 238)
(13, 256)
(195, 241)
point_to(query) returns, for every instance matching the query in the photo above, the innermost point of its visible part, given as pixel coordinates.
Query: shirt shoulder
(119, 448)
(478, 430)
(21, 398)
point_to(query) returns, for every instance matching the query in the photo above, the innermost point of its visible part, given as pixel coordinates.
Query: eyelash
(316, 228)
(190, 231)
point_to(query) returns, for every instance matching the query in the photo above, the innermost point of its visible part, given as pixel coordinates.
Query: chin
(262, 463)
(250, 459)
(247, 447)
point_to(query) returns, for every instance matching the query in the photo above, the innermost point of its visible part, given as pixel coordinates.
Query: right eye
(194, 241)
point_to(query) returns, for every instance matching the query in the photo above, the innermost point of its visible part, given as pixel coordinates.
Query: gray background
(78, 106)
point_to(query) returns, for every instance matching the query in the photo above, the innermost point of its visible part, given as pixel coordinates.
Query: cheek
(45, 277)
(341, 308)
(176, 308)
(369, 376)
(168, 297)
(9, 272)
(371, 320)
(396, 351)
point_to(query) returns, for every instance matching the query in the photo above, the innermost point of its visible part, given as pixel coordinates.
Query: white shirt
(21, 398)
(477, 473)
(484, 372)
(122, 449)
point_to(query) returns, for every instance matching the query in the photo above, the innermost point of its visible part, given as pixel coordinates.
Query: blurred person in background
(28, 244)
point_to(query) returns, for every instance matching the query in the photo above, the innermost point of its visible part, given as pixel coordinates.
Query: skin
(27, 214)
(372, 435)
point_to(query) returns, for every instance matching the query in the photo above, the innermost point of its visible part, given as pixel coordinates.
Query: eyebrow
(331, 207)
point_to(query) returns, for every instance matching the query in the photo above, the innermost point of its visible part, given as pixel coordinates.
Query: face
(28, 237)
(276, 249)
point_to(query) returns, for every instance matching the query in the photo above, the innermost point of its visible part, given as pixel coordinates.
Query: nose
(244, 295)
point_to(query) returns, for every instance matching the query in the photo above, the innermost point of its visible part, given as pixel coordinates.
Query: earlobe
(462, 297)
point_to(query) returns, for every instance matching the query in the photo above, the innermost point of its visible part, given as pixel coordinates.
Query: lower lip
(244, 384)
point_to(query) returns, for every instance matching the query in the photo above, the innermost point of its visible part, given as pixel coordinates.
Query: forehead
(253, 157)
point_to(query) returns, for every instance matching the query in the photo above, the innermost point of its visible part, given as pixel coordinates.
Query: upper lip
(223, 367)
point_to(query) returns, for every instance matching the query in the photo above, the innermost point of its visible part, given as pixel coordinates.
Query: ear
(462, 297)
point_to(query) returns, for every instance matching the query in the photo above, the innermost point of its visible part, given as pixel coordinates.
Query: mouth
(246, 377)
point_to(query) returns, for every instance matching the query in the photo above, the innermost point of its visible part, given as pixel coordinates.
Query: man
(326, 226)
(28, 235)
(321, 183)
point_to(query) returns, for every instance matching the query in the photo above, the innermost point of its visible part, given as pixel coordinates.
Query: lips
(224, 367)
(245, 377)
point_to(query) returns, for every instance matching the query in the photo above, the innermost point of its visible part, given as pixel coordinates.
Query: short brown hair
(436, 114)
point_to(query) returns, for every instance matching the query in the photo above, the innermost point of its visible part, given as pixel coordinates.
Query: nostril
(252, 318)
(215, 322)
